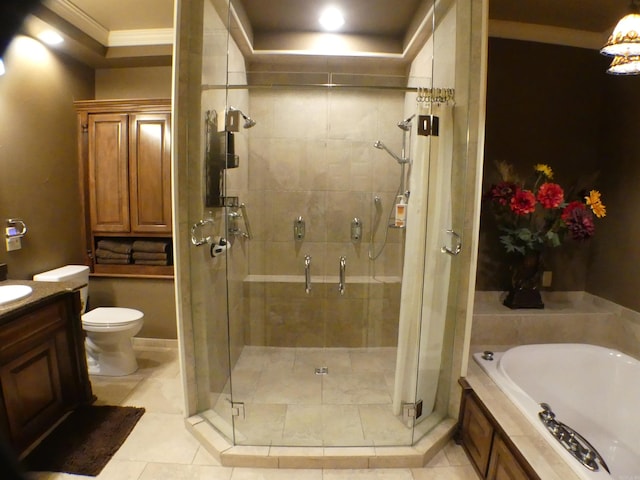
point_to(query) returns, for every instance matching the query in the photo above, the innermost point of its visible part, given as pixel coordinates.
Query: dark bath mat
(85, 441)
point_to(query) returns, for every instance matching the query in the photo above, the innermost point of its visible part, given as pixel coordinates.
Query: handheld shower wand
(382, 146)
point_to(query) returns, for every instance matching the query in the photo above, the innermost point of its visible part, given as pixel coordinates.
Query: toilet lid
(111, 316)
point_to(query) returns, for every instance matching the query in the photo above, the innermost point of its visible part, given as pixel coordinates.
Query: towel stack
(150, 252)
(114, 252)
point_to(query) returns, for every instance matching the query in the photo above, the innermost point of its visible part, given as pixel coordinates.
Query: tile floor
(160, 448)
(287, 403)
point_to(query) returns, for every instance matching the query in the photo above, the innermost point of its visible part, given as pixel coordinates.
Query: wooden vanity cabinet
(125, 166)
(43, 370)
(488, 447)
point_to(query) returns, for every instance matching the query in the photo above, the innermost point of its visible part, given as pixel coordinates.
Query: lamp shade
(625, 39)
(622, 65)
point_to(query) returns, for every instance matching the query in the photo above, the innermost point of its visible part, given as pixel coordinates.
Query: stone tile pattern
(160, 446)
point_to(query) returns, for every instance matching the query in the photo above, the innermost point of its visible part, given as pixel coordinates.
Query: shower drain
(322, 370)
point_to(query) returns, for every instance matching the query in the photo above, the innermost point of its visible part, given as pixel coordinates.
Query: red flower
(579, 221)
(503, 192)
(550, 195)
(523, 202)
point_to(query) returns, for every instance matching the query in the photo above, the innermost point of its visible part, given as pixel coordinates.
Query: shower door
(307, 326)
(315, 324)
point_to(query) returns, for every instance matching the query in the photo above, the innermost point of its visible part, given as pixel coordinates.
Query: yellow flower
(593, 200)
(544, 169)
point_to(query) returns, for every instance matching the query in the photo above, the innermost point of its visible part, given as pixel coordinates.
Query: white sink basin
(11, 293)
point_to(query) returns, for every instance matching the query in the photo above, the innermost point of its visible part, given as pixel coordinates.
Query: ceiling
(139, 32)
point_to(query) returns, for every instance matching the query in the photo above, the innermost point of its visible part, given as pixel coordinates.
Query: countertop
(41, 291)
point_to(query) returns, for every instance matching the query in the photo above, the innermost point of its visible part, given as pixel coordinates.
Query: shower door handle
(457, 248)
(307, 273)
(343, 270)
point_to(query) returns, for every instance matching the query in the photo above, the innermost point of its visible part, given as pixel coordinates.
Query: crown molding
(75, 16)
(547, 34)
(130, 38)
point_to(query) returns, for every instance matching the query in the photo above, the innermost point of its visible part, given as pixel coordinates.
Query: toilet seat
(111, 317)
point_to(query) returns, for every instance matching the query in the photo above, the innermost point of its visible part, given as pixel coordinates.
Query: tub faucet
(571, 440)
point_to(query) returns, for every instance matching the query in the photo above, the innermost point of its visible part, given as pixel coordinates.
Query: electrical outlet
(546, 278)
(13, 243)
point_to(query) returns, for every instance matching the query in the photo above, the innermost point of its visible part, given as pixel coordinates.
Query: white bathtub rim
(530, 408)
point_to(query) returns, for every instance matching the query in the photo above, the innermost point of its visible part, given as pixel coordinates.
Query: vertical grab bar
(307, 273)
(343, 269)
(245, 220)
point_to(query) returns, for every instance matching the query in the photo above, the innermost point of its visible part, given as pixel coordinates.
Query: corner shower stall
(319, 210)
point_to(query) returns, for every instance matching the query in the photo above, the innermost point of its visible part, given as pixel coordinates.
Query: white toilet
(109, 329)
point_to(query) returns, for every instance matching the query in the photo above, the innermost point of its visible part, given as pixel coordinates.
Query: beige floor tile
(113, 390)
(159, 437)
(121, 470)
(303, 425)
(308, 359)
(274, 474)
(203, 457)
(167, 471)
(289, 388)
(382, 427)
(354, 389)
(341, 426)
(446, 473)
(263, 424)
(159, 395)
(439, 460)
(158, 362)
(455, 454)
(374, 474)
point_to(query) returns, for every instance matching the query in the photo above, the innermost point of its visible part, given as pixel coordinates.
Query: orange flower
(593, 200)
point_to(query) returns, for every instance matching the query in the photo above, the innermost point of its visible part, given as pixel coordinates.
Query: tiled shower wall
(311, 154)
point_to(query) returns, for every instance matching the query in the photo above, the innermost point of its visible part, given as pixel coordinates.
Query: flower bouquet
(533, 216)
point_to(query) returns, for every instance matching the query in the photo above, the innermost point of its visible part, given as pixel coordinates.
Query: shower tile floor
(287, 403)
(160, 447)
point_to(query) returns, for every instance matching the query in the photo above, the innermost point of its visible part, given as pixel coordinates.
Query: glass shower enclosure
(319, 276)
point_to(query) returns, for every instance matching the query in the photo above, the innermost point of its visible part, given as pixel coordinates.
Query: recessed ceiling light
(331, 19)
(50, 37)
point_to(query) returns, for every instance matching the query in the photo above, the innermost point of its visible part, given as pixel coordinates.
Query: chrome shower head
(406, 123)
(248, 122)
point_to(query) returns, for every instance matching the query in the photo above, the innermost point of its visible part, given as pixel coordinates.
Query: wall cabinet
(491, 453)
(125, 166)
(43, 370)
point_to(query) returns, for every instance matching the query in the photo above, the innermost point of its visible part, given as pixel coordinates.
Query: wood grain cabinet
(488, 447)
(43, 370)
(125, 165)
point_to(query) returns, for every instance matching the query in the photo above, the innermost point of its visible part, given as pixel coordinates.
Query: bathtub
(594, 390)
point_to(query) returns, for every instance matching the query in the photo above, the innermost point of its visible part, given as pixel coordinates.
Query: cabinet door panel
(33, 392)
(477, 433)
(503, 465)
(108, 173)
(150, 173)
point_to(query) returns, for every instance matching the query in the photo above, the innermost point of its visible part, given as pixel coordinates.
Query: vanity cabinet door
(108, 172)
(43, 372)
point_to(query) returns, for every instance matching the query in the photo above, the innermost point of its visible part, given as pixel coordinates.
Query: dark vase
(526, 277)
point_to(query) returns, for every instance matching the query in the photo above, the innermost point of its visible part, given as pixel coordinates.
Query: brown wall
(39, 174)
(38, 155)
(139, 82)
(544, 105)
(614, 268)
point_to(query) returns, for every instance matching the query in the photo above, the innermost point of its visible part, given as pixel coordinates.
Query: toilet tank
(68, 273)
